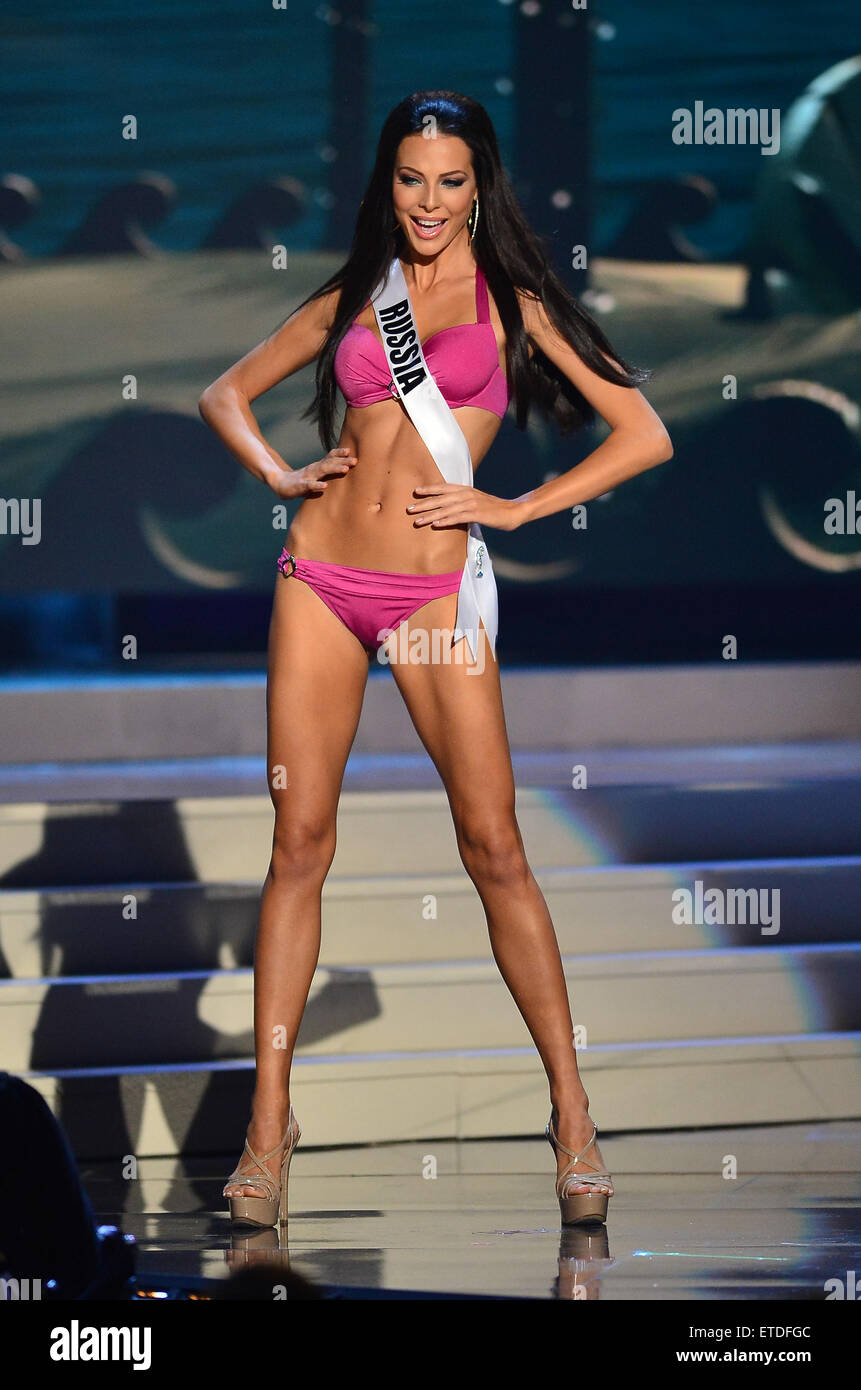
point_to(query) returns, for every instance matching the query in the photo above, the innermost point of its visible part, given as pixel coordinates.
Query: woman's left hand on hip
(451, 504)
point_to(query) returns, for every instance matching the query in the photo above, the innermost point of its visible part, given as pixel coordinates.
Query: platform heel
(270, 1209)
(578, 1208)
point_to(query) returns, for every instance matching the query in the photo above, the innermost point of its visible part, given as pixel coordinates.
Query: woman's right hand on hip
(310, 481)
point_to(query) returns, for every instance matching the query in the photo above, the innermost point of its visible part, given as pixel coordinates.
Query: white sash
(413, 383)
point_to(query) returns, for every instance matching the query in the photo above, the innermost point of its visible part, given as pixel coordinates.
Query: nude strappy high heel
(579, 1207)
(272, 1208)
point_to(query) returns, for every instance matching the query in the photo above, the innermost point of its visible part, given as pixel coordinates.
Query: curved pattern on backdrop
(793, 500)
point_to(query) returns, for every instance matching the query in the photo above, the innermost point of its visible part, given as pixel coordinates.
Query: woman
(378, 545)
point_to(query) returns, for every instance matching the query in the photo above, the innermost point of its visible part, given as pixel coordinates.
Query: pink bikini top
(464, 361)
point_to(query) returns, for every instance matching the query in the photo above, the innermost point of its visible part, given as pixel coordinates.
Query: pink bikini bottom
(368, 602)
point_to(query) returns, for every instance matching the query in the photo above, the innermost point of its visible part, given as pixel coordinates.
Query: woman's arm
(226, 404)
(637, 439)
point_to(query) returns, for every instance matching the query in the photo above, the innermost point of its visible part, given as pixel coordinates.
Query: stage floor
(367, 1220)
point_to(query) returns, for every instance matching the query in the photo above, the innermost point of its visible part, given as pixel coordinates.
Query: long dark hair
(506, 248)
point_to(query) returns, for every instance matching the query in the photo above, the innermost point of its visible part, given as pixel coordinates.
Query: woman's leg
(316, 682)
(458, 714)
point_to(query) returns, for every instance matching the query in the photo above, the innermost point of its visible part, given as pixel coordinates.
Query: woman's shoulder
(324, 306)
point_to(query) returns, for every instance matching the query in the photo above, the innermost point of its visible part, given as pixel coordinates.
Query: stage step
(171, 779)
(129, 716)
(387, 919)
(225, 839)
(461, 1094)
(204, 1016)
(128, 908)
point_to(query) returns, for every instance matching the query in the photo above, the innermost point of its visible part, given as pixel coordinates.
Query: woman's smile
(428, 227)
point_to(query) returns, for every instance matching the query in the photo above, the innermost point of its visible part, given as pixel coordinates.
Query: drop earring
(473, 217)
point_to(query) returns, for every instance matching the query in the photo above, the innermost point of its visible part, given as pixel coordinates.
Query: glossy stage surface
(372, 1220)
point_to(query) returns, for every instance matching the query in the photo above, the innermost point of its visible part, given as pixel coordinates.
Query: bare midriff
(361, 519)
